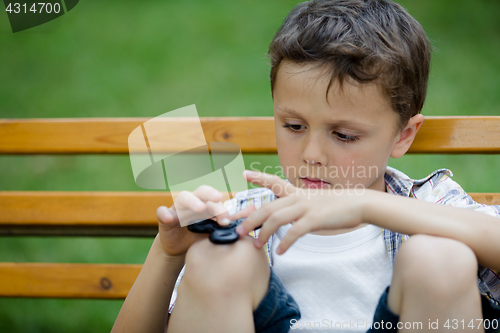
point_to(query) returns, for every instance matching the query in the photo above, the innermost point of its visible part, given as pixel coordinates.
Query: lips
(314, 182)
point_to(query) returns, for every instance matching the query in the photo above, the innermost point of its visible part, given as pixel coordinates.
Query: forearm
(479, 231)
(146, 306)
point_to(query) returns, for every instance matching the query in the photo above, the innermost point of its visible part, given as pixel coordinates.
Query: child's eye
(345, 137)
(292, 127)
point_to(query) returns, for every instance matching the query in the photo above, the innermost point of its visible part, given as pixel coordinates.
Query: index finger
(279, 186)
(208, 193)
(243, 213)
(258, 218)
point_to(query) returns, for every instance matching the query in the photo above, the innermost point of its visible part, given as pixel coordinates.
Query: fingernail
(198, 206)
(215, 197)
(257, 243)
(240, 230)
(163, 211)
(279, 250)
(225, 221)
(166, 215)
(249, 173)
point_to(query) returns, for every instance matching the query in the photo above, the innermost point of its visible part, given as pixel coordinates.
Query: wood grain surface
(438, 135)
(131, 214)
(111, 281)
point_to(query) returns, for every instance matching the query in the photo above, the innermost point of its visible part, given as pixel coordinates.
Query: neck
(379, 184)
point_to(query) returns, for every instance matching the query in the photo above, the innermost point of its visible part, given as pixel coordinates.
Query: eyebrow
(340, 123)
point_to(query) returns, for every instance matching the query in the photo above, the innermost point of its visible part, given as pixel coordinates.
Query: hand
(311, 209)
(203, 202)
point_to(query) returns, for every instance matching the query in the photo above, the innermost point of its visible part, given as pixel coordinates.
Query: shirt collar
(400, 184)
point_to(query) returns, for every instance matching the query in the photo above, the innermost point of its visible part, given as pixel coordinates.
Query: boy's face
(341, 141)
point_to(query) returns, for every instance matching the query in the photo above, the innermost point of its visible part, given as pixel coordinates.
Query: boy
(348, 81)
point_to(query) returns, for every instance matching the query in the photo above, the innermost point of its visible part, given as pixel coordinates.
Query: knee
(224, 269)
(439, 265)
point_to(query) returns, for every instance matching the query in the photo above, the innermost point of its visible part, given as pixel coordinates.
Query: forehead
(305, 88)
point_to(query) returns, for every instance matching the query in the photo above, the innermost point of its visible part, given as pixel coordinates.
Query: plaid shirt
(438, 188)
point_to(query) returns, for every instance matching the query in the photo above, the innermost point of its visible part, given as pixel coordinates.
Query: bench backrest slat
(87, 209)
(109, 281)
(438, 135)
(110, 135)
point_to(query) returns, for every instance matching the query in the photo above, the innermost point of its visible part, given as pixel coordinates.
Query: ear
(407, 135)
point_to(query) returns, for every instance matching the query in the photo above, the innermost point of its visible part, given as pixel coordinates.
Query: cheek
(287, 150)
(370, 167)
(347, 157)
(286, 159)
(289, 158)
(374, 153)
(362, 165)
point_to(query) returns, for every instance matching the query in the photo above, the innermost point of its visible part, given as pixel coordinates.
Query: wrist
(158, 250)
(368, 206)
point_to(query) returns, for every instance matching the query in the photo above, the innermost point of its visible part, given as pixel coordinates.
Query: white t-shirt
(336, 280)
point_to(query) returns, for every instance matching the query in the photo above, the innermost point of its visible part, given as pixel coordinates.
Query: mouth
(314, 182)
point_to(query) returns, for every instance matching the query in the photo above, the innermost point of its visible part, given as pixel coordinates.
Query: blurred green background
(143, 58)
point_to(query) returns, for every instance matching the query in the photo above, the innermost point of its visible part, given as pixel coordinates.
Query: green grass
(144, 58)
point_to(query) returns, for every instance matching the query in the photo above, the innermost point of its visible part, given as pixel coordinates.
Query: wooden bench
(128, 214)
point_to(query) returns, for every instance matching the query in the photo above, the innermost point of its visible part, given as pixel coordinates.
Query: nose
(313, 153)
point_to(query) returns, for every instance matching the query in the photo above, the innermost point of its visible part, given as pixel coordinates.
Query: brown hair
(365, 40)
